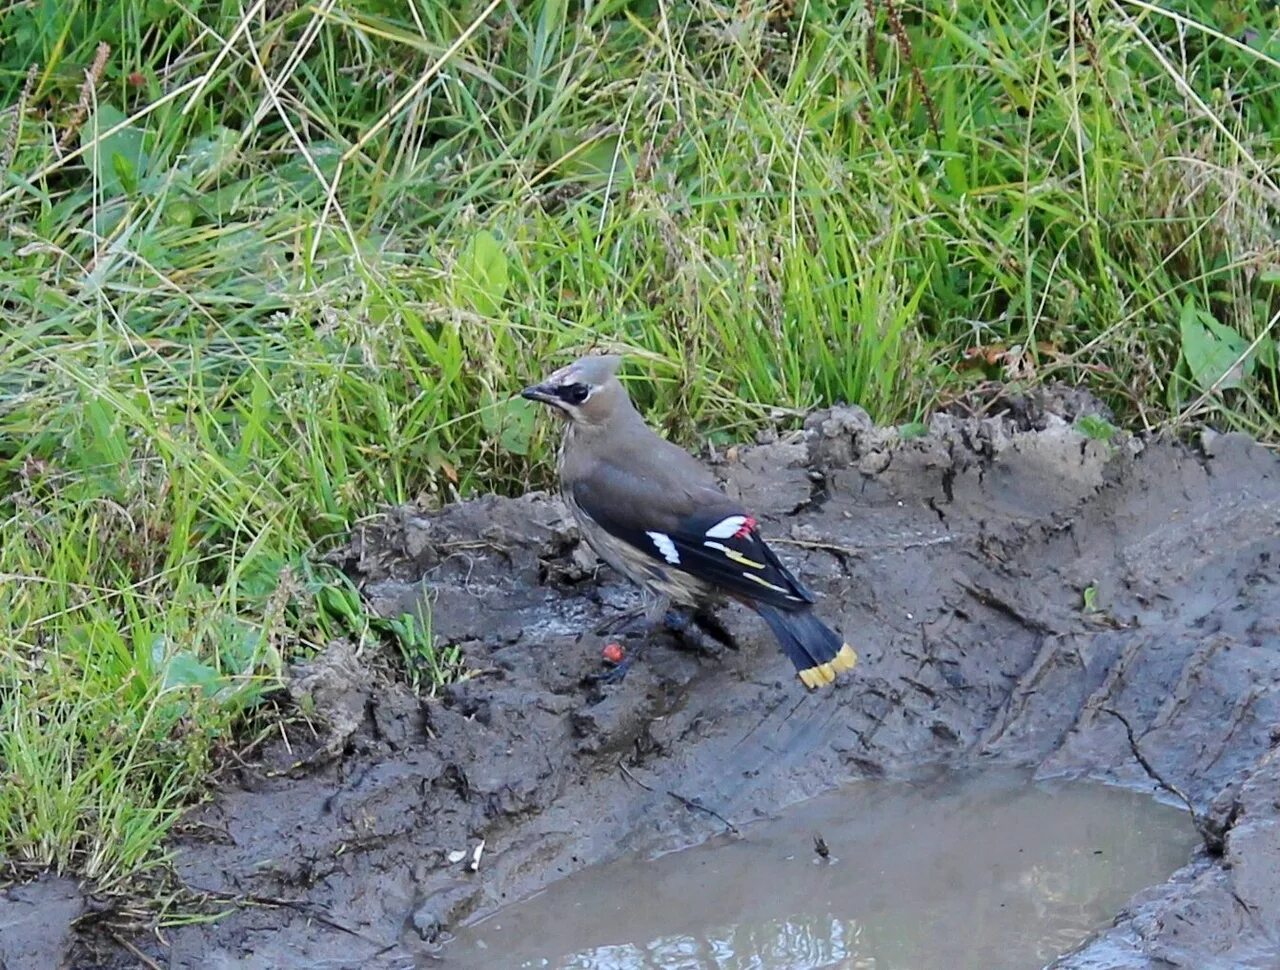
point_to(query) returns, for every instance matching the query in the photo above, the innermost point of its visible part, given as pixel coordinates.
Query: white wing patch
(666, 547)
(764, 582)
(726, 528)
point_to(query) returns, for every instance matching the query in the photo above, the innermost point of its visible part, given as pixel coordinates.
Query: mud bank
(956, 563)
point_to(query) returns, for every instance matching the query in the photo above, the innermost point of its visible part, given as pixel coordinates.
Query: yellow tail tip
(846, 659)
(825, 673)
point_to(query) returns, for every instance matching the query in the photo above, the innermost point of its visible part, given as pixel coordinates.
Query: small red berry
(612, 653)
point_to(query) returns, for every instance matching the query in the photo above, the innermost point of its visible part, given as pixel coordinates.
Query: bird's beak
(540, 392)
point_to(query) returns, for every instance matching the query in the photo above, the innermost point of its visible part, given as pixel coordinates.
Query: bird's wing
(698, 530)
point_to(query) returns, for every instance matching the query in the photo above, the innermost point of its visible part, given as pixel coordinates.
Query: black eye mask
(573, 393)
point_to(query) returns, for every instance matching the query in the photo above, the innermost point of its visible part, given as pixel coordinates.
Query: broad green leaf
(119, 159)
(512, 421)
(1267, 354)
(184, 670)
(481, 274)
(1092, 426)
(179, 213)
(517, 429)
(210, 154)
(260, 576)
(590, 158)
(240, 645)
(1214, 352)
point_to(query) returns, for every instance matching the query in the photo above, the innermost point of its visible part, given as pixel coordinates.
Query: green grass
(269, 272)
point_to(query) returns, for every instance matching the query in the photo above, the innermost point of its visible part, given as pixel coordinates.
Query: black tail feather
(817, 651)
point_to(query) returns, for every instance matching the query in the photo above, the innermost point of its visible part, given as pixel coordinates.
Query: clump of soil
(1018, 593)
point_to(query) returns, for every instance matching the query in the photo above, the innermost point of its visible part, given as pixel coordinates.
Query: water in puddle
(971, 872)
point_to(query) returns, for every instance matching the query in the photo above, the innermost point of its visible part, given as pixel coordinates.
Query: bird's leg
(640, 620)
(614, 675)
(624, 622)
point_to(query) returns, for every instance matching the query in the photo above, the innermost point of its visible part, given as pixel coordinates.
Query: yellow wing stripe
(825, 673)
(735, 555)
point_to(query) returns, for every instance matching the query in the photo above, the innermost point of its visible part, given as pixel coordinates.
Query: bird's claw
(614, 675)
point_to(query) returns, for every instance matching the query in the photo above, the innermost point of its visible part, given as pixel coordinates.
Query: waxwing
(658, 516)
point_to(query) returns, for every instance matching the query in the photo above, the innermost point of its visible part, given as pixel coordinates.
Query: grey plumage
(658, 516)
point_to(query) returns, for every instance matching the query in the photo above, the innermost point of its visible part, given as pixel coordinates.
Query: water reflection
(981, 872)
(780, 944)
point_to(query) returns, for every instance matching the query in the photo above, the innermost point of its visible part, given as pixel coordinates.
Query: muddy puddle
(1020, 595)
(971, 871)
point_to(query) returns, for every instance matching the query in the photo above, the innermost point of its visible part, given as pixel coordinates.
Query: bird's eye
(574, 393)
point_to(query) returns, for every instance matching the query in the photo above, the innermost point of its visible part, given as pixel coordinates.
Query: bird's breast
(565, 440)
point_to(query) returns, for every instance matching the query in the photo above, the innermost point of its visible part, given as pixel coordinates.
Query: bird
(658, 516)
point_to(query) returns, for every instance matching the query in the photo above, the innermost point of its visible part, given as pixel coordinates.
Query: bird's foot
(691, 634)
(710, 624)
(614, 675)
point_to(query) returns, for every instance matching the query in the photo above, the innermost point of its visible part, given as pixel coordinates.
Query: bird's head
(586, 391)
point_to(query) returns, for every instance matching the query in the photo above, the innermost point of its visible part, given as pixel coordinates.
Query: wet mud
(37, 921)
(1019, 595)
